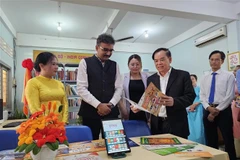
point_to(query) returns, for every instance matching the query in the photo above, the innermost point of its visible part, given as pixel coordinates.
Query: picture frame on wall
(233, 60)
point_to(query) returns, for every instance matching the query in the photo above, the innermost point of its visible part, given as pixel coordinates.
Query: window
(0, 82)
(4, 85)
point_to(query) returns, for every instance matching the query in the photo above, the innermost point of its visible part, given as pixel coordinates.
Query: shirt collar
(167, 74)
(218, 71)
(100, 60)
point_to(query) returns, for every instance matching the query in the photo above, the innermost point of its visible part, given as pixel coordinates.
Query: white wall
(5, 59)
(194, 59)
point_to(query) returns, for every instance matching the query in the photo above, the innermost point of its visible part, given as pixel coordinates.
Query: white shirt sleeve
(229, 94)
(203, 94)
(82, 85)
(118, 88)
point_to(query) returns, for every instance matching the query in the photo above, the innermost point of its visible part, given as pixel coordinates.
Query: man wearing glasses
(99, 85)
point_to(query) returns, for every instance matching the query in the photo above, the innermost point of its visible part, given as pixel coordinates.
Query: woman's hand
(134, 109)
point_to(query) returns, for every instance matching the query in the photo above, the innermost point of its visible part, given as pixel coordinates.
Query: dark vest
(101, 84)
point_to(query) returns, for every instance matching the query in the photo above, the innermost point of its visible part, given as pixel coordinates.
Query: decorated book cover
(150, 100)
(171, 150)
(83, 147)
(158, 141)
(197, 151)
(11, 155)
(86, 156)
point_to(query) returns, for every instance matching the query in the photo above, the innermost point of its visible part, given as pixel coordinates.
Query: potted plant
(41, 133)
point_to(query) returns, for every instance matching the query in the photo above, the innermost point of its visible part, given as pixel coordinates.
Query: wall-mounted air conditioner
(211, 36)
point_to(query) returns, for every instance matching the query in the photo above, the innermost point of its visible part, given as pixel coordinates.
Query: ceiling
(84, 22)
(230, 1)
(41, 17)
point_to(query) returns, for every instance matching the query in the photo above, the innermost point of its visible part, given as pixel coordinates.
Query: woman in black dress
(134, 84)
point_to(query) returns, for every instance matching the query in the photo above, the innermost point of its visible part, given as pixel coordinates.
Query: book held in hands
(150, 100)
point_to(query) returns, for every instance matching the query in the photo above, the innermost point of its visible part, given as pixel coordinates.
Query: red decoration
(28, 63)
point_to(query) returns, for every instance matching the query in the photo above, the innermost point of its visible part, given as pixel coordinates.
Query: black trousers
(225, 123)
(162, 126)
(95, 125)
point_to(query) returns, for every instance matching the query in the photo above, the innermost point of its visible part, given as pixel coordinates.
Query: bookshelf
(68, 76)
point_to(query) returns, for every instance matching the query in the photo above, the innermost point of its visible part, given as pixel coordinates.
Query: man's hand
(167, 101)
(211, 117)
(103, 109)
(213, 111)
(134, 109)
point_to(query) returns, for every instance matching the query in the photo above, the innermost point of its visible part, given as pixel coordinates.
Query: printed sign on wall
(233, 60)
(65, 57)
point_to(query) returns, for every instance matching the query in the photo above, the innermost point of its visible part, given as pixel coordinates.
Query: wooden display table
(139, 153)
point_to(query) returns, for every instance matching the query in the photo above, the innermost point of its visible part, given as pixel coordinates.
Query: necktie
(212, 90)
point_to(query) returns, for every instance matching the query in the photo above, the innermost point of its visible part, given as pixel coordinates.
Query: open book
(150, 100)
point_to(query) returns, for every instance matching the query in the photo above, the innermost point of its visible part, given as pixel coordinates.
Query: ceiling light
(59, 26)
(146, 34)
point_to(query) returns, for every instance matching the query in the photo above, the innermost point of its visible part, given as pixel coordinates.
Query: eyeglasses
(216, 60)
(106, 49)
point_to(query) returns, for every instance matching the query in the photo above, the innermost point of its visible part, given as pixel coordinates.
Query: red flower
(28, 63)
(62, 136)
(43, 136)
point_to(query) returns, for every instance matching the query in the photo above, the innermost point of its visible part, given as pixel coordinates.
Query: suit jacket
(180, 88)
(126, 80)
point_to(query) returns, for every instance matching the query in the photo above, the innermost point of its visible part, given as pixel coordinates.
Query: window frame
(4, 66)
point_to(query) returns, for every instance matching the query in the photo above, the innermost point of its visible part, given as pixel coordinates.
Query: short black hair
(44, 58)
(105, 38)
(194, 75)
(136, 56)
(168, 53)
(217, 52)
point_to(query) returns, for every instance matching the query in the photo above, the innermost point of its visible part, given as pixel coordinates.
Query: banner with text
(65, 57)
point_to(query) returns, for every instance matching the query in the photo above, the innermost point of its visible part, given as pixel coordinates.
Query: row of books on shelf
(69, 75)
(71, 90)
(73, 115)
(76, 102)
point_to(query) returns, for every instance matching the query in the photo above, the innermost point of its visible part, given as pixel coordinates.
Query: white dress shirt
(224, 89)
(82, 86)
(163, 86)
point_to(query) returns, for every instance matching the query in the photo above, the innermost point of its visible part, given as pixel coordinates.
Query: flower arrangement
(42, 128)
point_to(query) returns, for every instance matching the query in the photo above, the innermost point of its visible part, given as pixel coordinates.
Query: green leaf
(60, 108)
(36, 150)
(50, 146)
(56, 145)
(66, 143)
(16, 149)
(30, 147)
(22, 147)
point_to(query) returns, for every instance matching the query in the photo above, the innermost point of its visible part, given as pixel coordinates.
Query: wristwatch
(112, 105)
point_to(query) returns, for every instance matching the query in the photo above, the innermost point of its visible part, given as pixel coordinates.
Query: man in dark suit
(177, 86)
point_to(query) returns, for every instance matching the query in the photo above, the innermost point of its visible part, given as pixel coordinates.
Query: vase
(44, 154)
